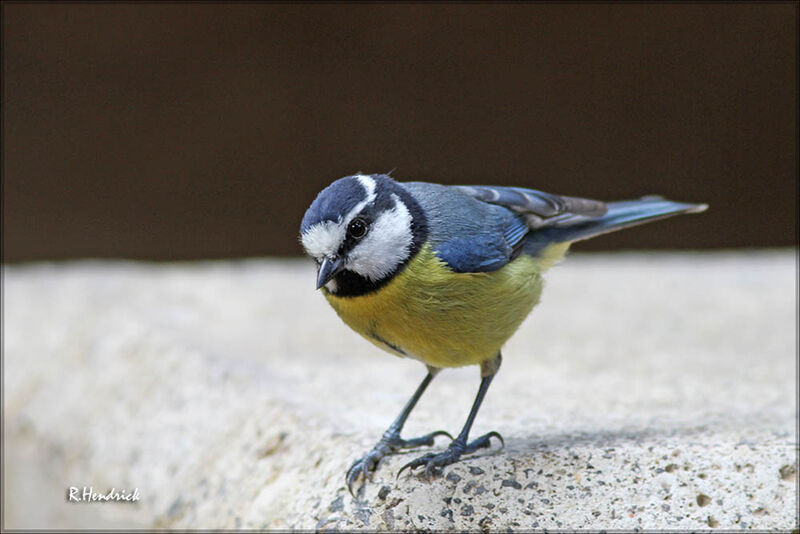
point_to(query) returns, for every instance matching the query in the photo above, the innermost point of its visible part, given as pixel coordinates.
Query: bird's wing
(480, 229)
(523, 212)
(482, 250)
(535, 204)
(531, 220)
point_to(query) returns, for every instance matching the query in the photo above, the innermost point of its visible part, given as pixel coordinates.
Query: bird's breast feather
(441, 317)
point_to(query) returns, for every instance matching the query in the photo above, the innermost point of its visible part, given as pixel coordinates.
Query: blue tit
(446, 274)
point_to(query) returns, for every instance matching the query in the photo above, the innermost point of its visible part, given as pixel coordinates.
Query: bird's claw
(434, 462)
(363, 466)
(390, 442)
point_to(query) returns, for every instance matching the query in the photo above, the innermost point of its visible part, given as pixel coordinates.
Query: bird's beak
(328, 269)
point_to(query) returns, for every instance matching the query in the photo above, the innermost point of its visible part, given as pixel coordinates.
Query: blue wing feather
(515, 231)
(621, 214)
(471, 255)
(469, 235)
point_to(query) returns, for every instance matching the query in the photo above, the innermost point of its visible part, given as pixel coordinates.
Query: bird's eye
(357, 228)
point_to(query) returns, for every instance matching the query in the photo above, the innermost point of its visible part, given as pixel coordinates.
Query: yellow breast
(447, 319)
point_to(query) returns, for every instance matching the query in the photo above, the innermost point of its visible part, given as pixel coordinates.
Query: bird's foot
(389, 443)
(434, 462)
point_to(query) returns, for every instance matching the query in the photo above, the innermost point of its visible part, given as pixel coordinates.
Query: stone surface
(646, 391)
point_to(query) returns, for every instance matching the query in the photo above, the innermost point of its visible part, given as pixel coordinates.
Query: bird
(445, 274)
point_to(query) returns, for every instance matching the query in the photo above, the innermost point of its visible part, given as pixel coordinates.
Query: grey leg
(391, 441)
(460, 446)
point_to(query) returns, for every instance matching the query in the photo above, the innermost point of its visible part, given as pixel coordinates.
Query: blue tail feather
(622, 214)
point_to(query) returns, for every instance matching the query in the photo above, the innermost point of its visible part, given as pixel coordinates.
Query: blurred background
(188, 131)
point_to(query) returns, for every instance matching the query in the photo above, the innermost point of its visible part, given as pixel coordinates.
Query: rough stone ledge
(646, 391)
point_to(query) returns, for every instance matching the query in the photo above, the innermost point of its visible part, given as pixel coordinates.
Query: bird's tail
(569, 228)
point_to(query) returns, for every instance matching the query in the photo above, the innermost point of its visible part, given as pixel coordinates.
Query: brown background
(198, 130)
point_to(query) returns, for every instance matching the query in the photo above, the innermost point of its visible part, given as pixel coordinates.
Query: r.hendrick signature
(87, 494)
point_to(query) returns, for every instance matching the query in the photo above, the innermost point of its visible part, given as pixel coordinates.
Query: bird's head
(361, 230)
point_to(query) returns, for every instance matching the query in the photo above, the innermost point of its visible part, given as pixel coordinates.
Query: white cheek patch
(323, 239)
(386, 246)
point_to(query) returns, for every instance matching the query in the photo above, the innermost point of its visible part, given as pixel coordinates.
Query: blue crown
(334, 201)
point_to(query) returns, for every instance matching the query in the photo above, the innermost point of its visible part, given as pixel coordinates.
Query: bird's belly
(442, 318)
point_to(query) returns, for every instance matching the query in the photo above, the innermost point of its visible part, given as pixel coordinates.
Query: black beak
(328, 269)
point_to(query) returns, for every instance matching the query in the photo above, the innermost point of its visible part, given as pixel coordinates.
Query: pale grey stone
(231, 396)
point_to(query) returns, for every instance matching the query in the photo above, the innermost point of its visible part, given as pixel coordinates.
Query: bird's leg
(434, 462)
(391, 441)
